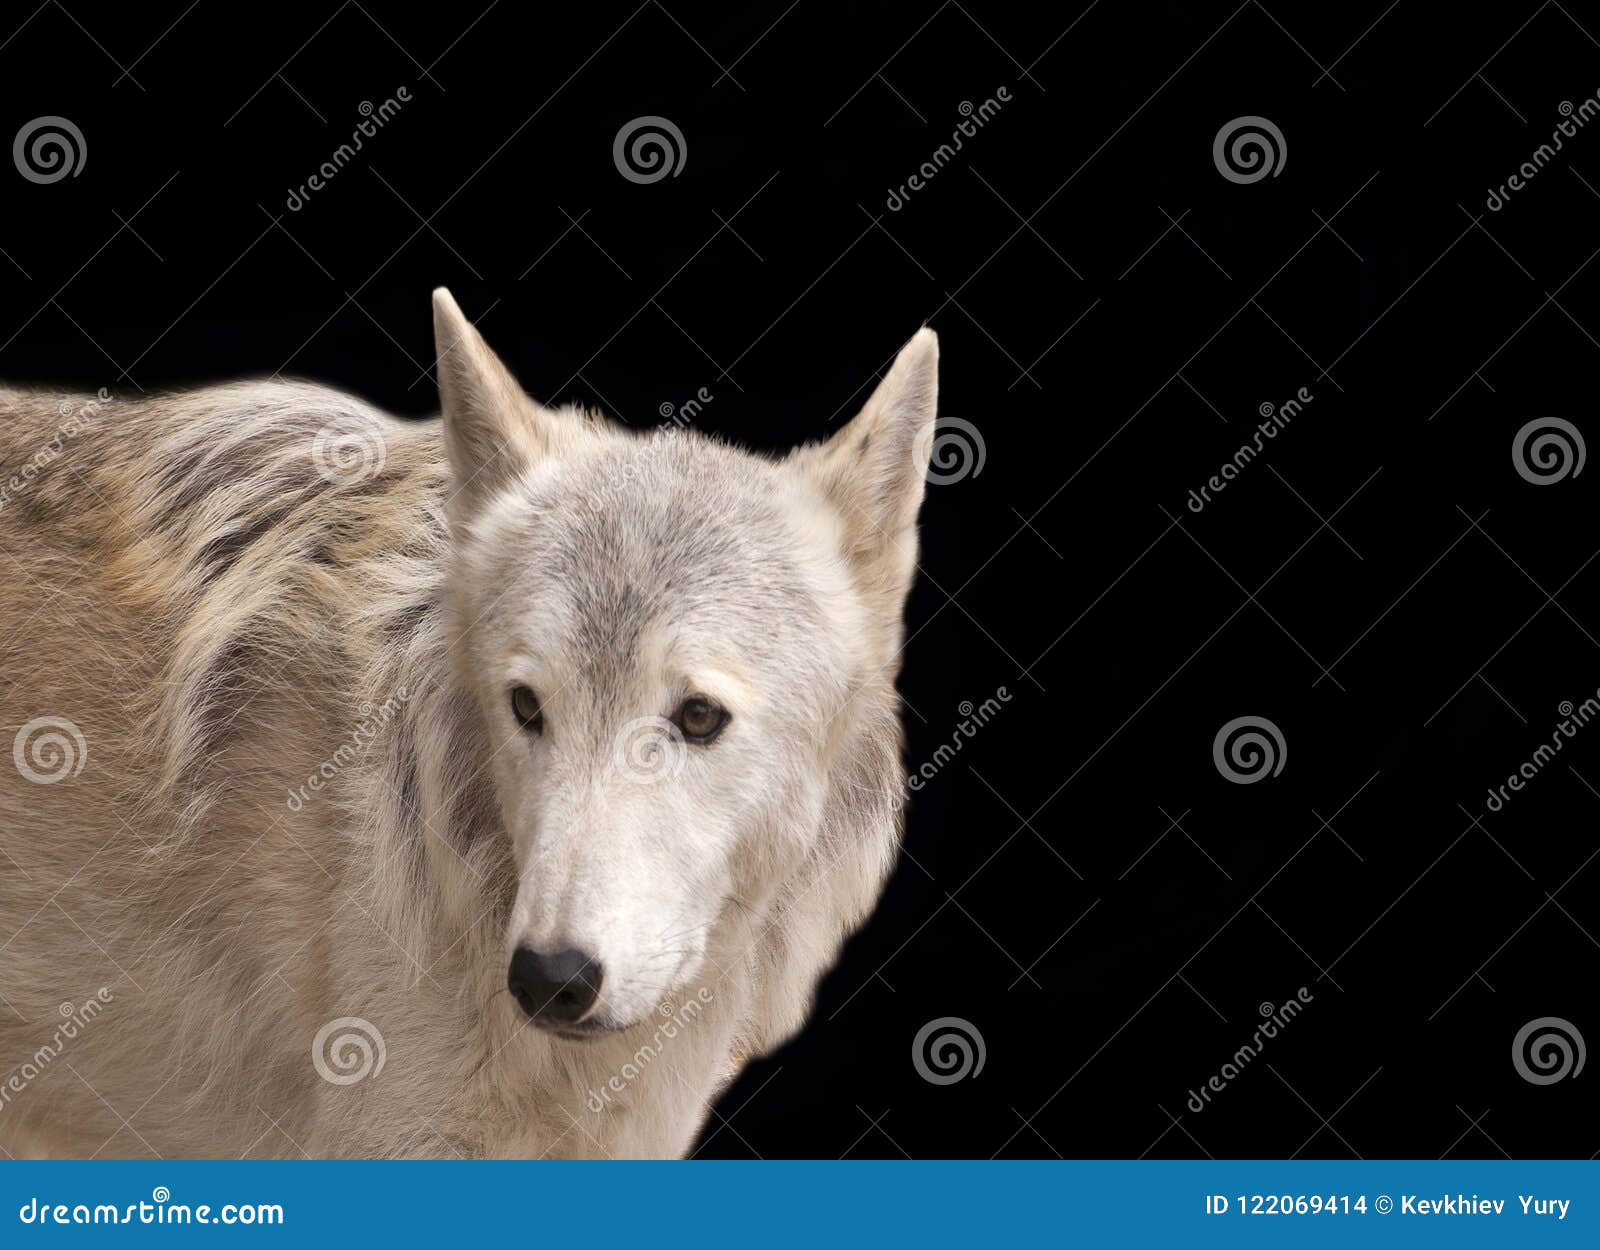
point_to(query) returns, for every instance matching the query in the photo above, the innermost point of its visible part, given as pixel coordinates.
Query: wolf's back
(186, 582)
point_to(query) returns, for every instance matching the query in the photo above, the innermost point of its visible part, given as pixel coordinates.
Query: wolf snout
(557, 988)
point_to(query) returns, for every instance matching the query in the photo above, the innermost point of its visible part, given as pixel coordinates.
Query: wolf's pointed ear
(492, 429)
(875, 468)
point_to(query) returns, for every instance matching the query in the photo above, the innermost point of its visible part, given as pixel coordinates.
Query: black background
(1081, 884)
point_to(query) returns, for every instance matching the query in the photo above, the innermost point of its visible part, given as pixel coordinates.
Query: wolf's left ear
(492, 429)
(875, 468)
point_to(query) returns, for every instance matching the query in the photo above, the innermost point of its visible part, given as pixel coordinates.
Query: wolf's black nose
(558, 988)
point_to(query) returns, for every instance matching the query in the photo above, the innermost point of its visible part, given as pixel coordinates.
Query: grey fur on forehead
(667, 527)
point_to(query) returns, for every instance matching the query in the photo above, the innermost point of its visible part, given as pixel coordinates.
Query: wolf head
(684, 659)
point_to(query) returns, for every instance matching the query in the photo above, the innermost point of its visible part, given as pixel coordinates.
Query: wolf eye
(525, 707)
(700, 719)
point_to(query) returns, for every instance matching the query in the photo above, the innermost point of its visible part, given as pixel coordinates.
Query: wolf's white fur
(240, 868)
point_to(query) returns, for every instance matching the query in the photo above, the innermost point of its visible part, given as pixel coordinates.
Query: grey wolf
(491, 786)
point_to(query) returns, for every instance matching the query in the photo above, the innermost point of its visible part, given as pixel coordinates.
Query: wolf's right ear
(875, 468)
(492, 429)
